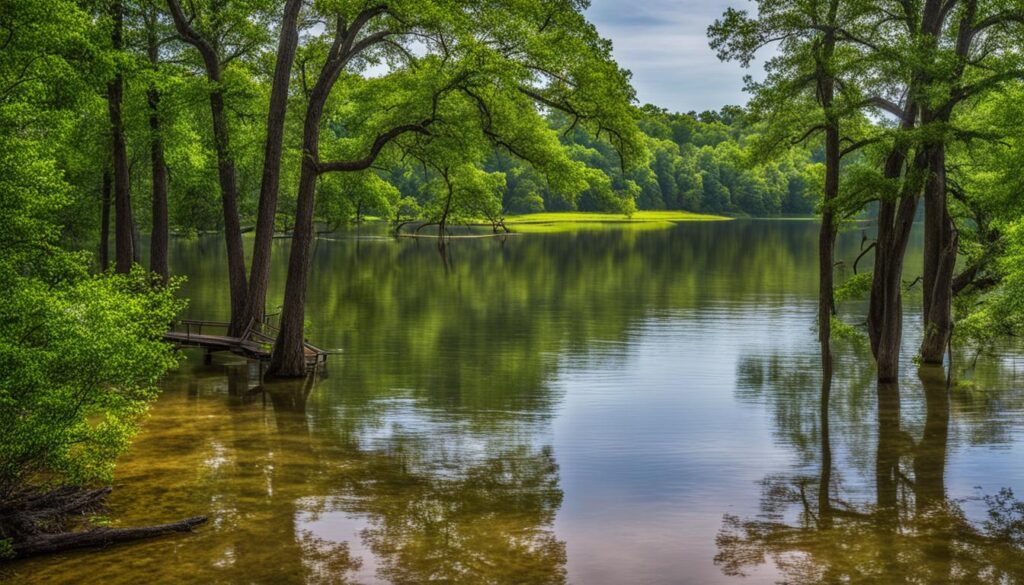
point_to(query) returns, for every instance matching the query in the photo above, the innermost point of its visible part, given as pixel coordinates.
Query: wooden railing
(195, 326)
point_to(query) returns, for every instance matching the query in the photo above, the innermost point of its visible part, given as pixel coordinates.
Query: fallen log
(98, 537)
(34, 522)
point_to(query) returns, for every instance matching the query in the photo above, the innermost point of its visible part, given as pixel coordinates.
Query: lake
(599, 407)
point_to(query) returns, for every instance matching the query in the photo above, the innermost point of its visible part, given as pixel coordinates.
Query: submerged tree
(819, 52)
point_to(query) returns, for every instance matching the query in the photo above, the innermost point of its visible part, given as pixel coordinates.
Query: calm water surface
(604, 407)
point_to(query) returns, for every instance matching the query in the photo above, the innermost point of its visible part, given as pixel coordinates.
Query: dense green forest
(124, 119)
(694, 162)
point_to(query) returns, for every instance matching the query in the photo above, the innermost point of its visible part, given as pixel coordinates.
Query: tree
(160, 227)
(974, 62)
(221, 37)
(499, 59)
(124, 224)
(812, 62)
(256, 297)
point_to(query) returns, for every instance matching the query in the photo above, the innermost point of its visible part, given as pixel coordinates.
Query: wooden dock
(256, 342)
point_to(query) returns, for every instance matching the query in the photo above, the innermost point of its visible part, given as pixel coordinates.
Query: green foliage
(987, 208)
(843, 331)
(854, 288)
(704, 162)
(79, 368)
(997, 311)
(345, 197)
(79, 354)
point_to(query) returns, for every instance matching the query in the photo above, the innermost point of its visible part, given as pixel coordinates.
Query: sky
(664, 43)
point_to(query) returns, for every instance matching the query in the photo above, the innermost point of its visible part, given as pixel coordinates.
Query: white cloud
(664, 43)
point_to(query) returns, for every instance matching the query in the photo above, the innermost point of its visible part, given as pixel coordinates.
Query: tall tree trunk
(885, 318)
(225, 165)
(122, 198)
(288, 358)
(940, 240)
(105, 222)
(885, 311)
(259, 275)
(827, 234)
(159, 239)
(939, 260)
(229, 200)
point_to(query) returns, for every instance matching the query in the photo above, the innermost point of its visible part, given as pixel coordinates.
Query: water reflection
(815, 530)
(577, 408)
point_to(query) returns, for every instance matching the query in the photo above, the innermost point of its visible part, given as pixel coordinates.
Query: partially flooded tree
(820, 52)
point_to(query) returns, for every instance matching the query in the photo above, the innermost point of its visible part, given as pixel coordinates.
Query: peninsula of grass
(568, 221)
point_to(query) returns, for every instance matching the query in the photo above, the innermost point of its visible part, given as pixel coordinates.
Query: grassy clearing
(571, 221)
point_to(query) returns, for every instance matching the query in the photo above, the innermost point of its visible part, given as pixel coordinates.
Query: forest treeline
(695, 162)
(124, 117)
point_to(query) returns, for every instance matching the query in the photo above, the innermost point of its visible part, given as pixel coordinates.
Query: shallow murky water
(594, 408)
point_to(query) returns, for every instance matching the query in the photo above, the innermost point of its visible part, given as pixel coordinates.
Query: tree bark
(229, 200)
(259, 276)
(895, 220)
(940, 241)
(827, 234)
(105, 222)
(288, 358)
(160, 235)
(225, 166)
(123, 249)
(939, 260)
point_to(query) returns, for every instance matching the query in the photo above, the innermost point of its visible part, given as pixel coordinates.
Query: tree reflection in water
(911, 532)
(458, 513)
